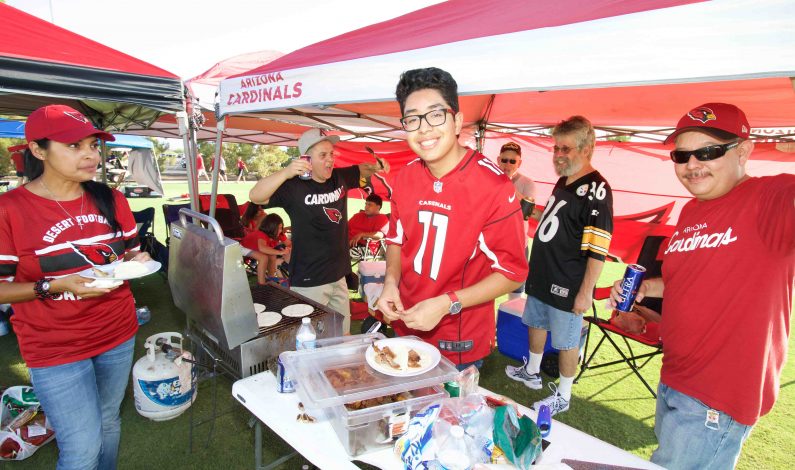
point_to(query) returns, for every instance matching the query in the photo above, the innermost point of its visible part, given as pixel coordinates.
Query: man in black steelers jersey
(567, 257)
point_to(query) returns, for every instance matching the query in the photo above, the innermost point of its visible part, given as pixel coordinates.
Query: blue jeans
(82, 401)
(564, 327)
(693, 436)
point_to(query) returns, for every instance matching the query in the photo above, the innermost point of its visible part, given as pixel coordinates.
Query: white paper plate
(266, 319)
(429, 355)
(151, 267)
(259, 308)
(104, 283)
(297, 310)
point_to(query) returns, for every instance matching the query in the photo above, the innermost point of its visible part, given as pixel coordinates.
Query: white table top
(319, 444)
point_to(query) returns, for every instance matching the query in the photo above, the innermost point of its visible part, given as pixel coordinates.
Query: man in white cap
(317, 207)
(727, 279)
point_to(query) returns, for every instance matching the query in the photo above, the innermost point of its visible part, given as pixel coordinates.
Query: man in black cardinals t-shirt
(318, 214)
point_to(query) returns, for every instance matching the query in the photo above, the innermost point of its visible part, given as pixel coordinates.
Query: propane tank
(164, 384)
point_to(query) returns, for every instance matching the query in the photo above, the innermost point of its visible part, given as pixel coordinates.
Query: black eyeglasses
(704, 154)
(434, 118)
(508, 160)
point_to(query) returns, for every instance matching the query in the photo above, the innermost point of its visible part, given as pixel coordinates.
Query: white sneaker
(520, 374)
(555, 402)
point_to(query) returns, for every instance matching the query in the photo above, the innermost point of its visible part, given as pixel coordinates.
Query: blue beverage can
(307, 175)
(633, 276)
(283, 382)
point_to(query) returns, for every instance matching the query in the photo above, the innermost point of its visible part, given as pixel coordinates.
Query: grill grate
(275, 298)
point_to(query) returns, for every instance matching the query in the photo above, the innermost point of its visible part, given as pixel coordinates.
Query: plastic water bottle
(143, 314)
(306, 336)
(453, 454)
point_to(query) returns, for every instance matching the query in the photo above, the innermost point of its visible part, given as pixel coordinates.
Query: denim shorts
(564, 327)
(692, 435)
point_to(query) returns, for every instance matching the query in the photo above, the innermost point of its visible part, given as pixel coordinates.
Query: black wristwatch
(42, 289)
(455, 304)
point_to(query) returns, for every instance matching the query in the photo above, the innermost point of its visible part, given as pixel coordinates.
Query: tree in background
(160, 146)
(261, 160)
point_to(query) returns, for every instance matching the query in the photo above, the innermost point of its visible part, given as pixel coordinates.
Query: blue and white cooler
(512, 339)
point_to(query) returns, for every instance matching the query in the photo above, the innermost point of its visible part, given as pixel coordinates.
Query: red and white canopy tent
(41, 64)
(202, 90)
(525, 64)
(631, 67)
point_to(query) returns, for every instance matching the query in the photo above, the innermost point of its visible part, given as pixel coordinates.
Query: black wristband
(41, 293)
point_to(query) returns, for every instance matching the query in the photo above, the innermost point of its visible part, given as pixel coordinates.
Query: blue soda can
(283, 382)
(633, 276)
(307, 175)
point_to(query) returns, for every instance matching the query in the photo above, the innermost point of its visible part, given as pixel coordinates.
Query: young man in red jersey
(456, 237)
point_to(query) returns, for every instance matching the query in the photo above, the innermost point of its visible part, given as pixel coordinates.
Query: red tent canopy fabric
(43, 64)
(645, 187)
(24, 36)
(455, 21)
(525, 64)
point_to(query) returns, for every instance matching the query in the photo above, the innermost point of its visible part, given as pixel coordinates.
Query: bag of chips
(23, 426)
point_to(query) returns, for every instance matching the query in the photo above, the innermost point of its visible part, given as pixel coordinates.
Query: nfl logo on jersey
(437, 187)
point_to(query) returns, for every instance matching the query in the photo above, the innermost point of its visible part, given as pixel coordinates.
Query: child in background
(273, 227)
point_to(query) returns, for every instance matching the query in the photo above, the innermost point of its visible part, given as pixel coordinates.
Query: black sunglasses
(704, 154)
(508, 160)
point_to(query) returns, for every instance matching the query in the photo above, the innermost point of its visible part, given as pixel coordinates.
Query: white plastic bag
(23, 426)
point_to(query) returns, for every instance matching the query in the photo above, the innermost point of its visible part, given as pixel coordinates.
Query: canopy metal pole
(103, 160)
(190, 156)
(220, 126)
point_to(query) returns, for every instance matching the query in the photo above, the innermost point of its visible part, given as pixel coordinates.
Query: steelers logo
(582, 190)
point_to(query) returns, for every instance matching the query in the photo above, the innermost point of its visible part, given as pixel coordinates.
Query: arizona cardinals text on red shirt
(728, 272)
(453, 232)
(36, 241)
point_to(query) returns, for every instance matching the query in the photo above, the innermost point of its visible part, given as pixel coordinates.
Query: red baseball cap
(18, 148)
(62, 124)
(721, 120)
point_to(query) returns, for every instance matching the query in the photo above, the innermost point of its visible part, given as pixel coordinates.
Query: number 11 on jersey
(439, 221)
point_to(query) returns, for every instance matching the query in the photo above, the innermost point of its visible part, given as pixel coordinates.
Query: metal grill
(209, 283)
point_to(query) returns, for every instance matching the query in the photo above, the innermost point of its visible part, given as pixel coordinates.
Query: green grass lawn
(610, 403)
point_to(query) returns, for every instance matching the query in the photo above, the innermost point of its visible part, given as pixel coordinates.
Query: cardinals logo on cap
(333, 215)
(97, 254)
(702, 114)
(76, 116)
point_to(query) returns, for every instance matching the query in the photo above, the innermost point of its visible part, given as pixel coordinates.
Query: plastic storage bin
(512, 340)
(376, 425)
(365, 430)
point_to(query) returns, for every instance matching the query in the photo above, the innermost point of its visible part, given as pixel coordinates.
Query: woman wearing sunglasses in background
(77, 341)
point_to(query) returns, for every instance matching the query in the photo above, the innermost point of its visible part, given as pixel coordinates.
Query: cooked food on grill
(414, 359)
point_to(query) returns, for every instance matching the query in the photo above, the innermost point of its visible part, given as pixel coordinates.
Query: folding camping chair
(171, 215)
(650, 257)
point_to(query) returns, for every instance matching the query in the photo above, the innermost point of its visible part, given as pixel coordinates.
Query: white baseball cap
(312, 137)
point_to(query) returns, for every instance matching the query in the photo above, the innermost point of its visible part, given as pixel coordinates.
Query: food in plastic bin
(23, 426)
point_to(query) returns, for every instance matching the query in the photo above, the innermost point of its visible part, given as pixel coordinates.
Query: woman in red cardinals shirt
(77, 340)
